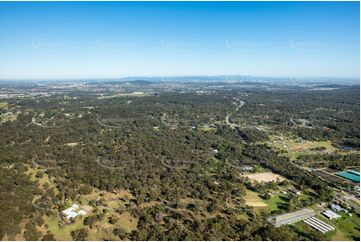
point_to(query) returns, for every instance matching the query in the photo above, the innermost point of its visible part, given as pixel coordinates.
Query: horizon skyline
(139, 77)
(110, 40)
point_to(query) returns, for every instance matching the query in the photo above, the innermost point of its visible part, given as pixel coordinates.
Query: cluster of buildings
(307, 216)
(340, 203)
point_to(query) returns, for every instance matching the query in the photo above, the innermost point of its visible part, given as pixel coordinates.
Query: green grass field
(350, 226)
(347, 227)
(276, 202)
(62, 233)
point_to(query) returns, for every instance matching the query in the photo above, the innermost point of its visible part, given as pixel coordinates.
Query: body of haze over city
(75, 40)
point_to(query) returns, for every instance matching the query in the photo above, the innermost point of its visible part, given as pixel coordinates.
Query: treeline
(16, 208)
(335, 161)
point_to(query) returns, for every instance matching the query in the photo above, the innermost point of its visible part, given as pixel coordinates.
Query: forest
(174, 153)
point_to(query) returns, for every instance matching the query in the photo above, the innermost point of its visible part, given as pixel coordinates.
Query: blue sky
(68, 40)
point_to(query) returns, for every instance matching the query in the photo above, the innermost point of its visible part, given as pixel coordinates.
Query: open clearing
(101, 230)
(296, 146)
(276, 202)
(347, 227)
(264, 177)
(9, 116)
(252, 199)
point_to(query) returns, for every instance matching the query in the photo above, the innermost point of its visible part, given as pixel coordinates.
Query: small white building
(247, 168)
(331, 215)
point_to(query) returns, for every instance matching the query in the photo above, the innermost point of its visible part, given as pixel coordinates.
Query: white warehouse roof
(331, 215)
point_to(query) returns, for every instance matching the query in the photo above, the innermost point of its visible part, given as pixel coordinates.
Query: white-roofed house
(71, 213)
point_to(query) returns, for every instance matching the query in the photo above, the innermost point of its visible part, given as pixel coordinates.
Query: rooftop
(349, 175)
(73, 211)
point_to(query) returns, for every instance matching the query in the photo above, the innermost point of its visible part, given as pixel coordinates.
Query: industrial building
(353, 176)
(290, 218)
(331, 215)
(319, 225)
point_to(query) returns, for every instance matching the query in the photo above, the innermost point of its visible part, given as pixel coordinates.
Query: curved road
(230, 124)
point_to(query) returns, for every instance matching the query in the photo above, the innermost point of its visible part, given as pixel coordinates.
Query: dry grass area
(264, 177)
(127, 222)
(9, 116)
(252, 199)
(306, 145)
(45, 179)
(101, 230)
(293, 146)
(108, 196)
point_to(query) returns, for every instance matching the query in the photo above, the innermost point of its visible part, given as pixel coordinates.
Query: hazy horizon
(187, 78)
